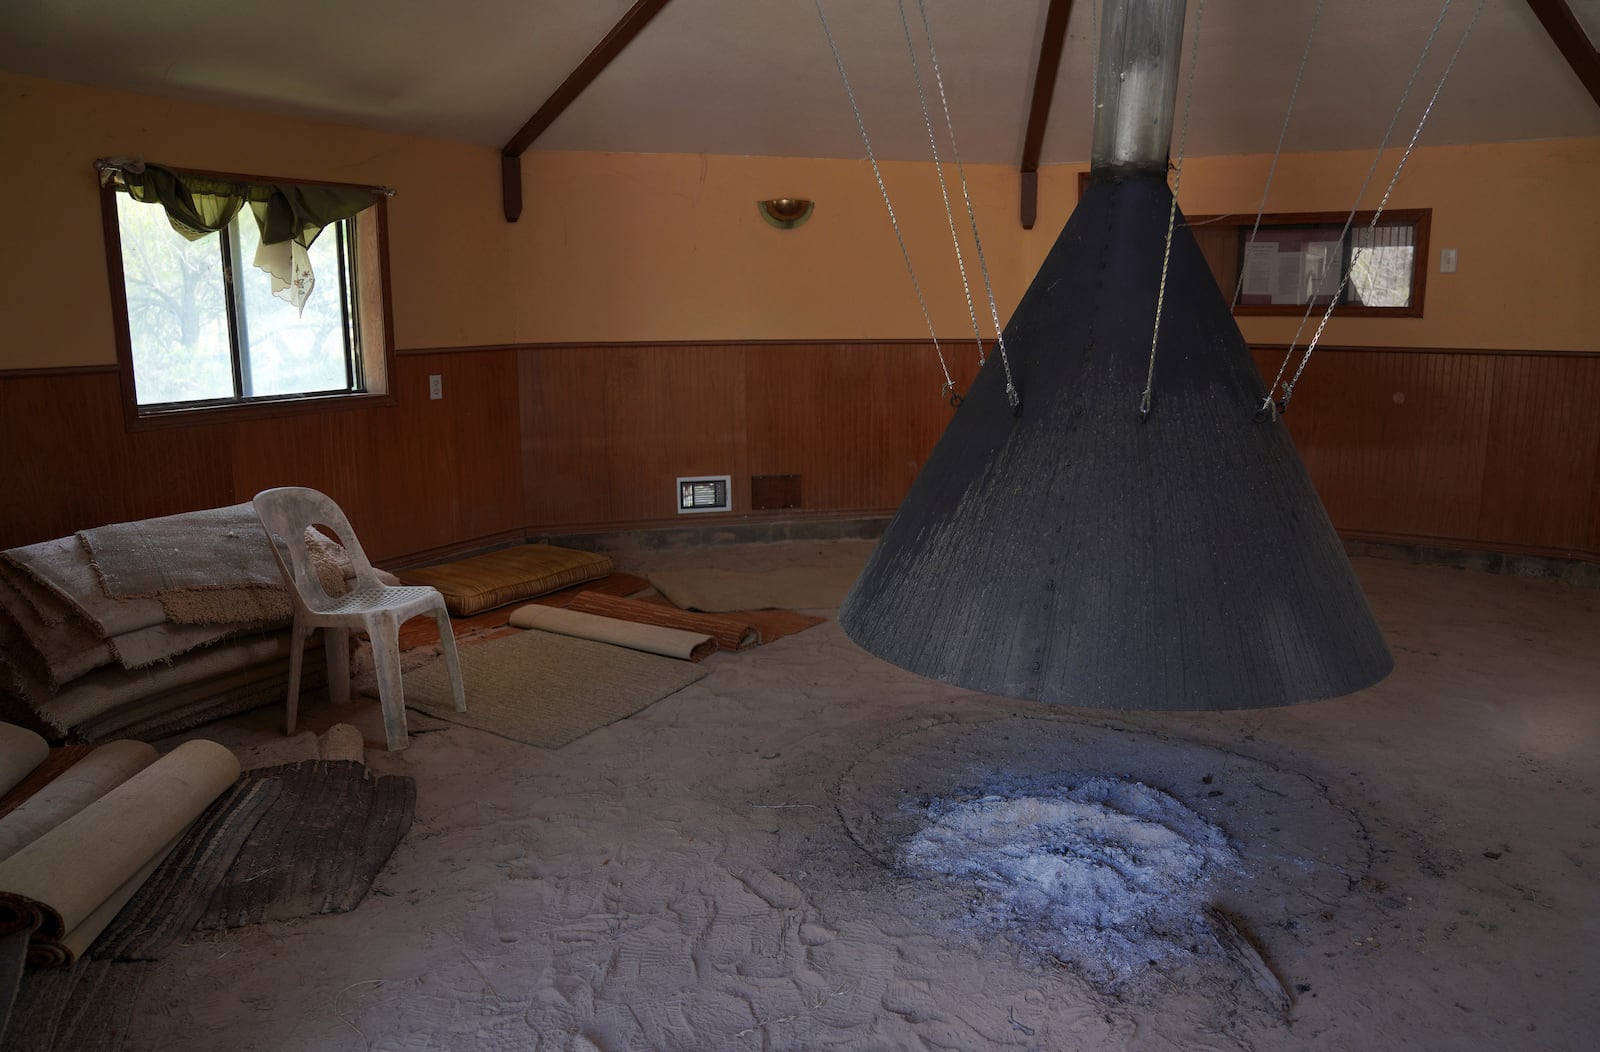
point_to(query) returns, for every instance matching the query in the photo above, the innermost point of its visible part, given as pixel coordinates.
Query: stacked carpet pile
(142, 629)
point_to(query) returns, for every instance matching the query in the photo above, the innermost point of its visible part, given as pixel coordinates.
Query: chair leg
(391, 690)
(336, 644)
(452, 662)
(297, 646)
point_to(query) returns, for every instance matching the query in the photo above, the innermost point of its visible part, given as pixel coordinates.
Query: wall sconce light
(786, 213)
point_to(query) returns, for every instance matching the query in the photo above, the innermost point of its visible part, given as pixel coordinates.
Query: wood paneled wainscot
(1466, 449)
(607, 429)
(1460, 448)
(414, 477)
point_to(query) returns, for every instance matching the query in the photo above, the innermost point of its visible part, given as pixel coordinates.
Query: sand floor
(1418, 863)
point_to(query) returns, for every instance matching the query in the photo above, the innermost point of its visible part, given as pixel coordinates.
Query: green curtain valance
(289, 216)
(195, 206)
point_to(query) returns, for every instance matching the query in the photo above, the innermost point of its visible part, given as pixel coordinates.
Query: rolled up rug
(75, 789)
(651, 639)
(66, 886)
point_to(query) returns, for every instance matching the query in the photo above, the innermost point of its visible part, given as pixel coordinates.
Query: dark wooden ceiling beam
(1044, 89)
(1570, 39)
(621, 35)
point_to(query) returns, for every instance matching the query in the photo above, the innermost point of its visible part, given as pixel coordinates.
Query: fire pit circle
(1107, 849)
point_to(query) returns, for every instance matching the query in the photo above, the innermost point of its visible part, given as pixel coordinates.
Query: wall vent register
(704, 493)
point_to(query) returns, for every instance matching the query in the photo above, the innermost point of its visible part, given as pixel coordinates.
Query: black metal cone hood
(1076, 554)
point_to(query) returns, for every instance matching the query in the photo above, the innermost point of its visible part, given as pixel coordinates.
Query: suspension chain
(1270, 409)
(944, 190)
(1013, 396)
(1288, 389)
(1277, 152)
(949, 389)
(1172, 215)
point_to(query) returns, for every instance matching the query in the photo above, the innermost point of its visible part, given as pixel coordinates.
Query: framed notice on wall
(1294, 265)
(1302, 260)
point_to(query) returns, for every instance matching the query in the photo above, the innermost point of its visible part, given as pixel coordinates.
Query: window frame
(1226, 259)
(371, 298)
(1225, 255)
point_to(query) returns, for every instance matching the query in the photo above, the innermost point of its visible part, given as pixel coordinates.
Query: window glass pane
(1380, 275)
(177, 311)
(293, 352)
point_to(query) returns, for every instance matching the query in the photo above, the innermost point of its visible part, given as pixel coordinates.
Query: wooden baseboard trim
(693, 535)
(661, 533)
(1575, 568)
(1466, 547)
(732, 521)
(1578, 573)
(460, 549)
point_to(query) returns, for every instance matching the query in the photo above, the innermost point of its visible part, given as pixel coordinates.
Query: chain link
(1305, 55)
(1350, 219)
(1288, 390)
(1013, 396)
(1172, 215)
(949, 383)
(944, 190)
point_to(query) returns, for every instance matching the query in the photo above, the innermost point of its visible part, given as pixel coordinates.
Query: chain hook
(1268, 413)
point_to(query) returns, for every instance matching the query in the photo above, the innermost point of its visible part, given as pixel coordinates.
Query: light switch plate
(1447, 261)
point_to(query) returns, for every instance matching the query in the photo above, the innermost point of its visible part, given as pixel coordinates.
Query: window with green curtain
(238, 290)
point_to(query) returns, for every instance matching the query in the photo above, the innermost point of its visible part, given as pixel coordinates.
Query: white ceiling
(757, 77)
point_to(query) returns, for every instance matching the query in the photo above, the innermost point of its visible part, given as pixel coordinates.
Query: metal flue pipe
(1137, 83)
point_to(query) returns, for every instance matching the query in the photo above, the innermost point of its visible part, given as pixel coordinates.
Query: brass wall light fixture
(786, 213)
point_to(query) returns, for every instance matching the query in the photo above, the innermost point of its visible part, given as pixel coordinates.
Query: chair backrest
(285, 514)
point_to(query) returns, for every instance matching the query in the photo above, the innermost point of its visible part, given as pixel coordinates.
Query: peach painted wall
(1523, 217)
(653, 247)
(448, 240)
(670, 247)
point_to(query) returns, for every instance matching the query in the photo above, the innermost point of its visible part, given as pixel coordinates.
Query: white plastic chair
(379, 609)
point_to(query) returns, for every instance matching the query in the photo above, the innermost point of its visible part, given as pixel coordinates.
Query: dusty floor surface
(1419, 863)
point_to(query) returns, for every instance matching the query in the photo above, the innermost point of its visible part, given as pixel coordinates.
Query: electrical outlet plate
(703, 493)
(435, 387)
